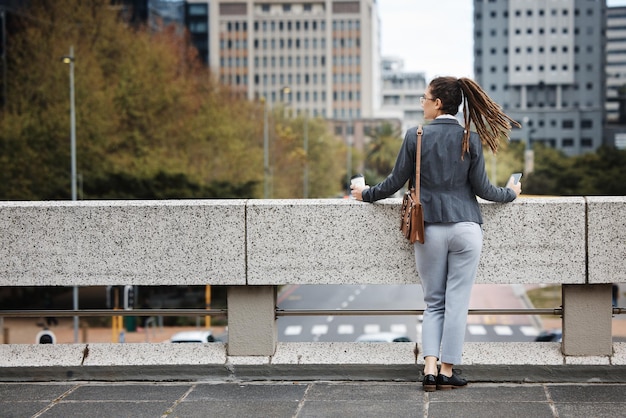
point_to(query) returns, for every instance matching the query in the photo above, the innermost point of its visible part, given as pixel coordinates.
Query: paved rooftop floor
(308, 399)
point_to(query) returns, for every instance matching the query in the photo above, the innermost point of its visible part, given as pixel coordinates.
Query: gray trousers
(447, 264)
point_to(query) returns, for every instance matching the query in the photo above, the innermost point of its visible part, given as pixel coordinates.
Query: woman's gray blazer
(449, 184)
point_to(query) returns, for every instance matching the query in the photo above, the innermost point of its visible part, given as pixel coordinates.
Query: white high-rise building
(401, 91)
(324, 53)
(543, 61)
(615, 62)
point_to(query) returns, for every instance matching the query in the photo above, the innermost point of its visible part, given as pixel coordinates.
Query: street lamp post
(69, 59)
(349, 143)
(266, 152)
(306, 156)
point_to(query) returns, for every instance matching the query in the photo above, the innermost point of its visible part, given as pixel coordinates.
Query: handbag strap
(418, 160)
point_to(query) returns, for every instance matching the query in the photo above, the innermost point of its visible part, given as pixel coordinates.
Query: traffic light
(129, 297)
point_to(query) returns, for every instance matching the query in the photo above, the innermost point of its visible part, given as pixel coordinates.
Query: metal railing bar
(279, 312)
(358, 312)
(110, 312)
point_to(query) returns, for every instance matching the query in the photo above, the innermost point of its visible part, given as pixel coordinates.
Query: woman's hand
(357, 191)
(516, 187)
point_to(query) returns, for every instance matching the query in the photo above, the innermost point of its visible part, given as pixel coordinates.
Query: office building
(197, 21)
(401, 91)
(615, 62)
(616, 77)
(324, 52)
(544, 63)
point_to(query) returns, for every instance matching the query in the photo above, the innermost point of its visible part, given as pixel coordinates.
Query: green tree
(382, 152)
(149, 116)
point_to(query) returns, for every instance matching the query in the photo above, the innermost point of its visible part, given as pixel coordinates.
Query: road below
(340, 328)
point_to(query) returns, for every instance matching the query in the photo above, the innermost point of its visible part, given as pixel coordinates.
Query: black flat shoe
(452, 382)
(429, 383)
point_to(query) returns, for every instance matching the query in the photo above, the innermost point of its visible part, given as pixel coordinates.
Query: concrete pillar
(252, 327)
(587, 316)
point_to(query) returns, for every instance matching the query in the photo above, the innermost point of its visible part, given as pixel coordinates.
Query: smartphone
(516, 177)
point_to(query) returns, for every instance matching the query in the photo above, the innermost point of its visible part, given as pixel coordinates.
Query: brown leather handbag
(412, 215)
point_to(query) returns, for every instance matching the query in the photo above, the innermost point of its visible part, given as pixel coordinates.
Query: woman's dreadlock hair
(491, 123)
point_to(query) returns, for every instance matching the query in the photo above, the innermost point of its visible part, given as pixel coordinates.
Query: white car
(193, 337)
(383, 337)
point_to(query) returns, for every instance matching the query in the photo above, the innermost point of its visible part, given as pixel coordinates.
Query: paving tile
(365, 391)
(489, 409)
(20, 409)
(490, 393)
(235, 408)
(32, 391)
(587, 410)
(128, 392)
(248, 392)
(361, 409)
(588, 393)
(92, 409)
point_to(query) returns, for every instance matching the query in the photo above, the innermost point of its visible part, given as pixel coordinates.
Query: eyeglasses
(423, 99)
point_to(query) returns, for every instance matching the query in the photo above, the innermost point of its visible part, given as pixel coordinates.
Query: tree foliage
(555, 174)
(382, 152)
(151, 120)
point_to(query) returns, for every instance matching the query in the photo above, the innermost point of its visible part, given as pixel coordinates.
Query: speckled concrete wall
(607, 239)
(532, 240)
(273, 242)
(122, 242)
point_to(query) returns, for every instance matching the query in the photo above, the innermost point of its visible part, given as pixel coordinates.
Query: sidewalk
(24, 331)
(309, 399)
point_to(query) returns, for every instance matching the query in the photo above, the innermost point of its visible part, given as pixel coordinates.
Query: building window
(567, 142)
(567, 124)
(586, 142)
(586, 124)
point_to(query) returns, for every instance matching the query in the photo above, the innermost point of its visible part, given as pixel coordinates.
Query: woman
(452, 174)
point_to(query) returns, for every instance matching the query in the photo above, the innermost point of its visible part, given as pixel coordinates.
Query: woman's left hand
(516, 187)
(357, 191)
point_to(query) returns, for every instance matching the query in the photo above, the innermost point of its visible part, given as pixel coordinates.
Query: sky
(434, 37)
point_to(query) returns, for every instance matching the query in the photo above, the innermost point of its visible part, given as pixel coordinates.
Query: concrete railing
(253, 246)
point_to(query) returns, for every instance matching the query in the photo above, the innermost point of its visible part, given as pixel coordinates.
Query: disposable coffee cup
(357, 180)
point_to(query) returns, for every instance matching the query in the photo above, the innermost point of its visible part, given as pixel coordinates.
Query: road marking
(293, 330)
(503, 330)
(399, 328)
(529, 331)
(371, 328)
(345, 329)
(319, 329)
(477, 330)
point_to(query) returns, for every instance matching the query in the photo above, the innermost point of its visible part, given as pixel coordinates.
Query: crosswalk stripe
(345, 329)
(348, 329)
(293, 330)
(503, 330)
(399, 328)
(319, 329)
(529, 331)
(371, 328)
(477, 330)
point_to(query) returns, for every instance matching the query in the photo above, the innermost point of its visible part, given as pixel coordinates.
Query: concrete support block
(587, 314)
(252, 327)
